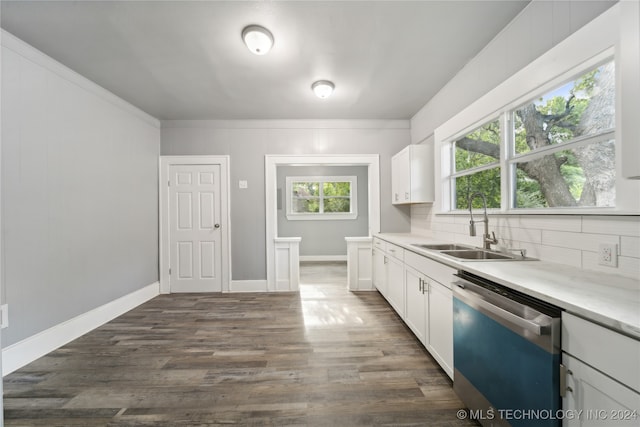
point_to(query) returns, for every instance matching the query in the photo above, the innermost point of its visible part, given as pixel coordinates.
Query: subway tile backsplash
(565, 239)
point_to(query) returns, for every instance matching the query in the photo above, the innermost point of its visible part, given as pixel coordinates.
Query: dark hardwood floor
(323, 357)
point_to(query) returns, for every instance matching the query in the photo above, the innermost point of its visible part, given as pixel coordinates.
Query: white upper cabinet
(412, 175)
(629, 64)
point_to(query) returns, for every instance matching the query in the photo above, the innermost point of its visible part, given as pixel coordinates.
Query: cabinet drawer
(395, 251)
(608, 351)
(435, 270)
(379, 244)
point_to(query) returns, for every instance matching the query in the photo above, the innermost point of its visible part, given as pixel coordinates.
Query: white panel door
(195, 228)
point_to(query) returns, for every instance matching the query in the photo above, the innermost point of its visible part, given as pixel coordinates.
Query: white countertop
(608, 299)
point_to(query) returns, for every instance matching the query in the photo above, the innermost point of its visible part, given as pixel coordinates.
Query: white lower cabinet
(415, 285)
(395, 284)
(602, 384)
(417, 289)
(594, 399)
(388, 273)
(429, 315)
(380, 271)
(440, 325)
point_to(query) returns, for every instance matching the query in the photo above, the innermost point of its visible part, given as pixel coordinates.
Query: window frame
(514, 92)
(474, 170)
(308, 216)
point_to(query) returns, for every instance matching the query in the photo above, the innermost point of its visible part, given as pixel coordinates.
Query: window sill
(322, 217)
(548, 211)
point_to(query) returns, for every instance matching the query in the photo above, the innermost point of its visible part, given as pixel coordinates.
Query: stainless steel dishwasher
(506, 351)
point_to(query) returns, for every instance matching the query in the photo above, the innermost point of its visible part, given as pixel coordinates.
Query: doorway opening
(272, 162)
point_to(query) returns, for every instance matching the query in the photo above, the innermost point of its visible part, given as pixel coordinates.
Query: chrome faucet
(486, 237)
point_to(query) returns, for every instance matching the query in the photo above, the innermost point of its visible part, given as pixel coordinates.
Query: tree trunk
(598, 160)
(545, 170)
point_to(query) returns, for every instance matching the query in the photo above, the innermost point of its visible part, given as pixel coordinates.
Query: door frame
(163, 190)
(372, 161)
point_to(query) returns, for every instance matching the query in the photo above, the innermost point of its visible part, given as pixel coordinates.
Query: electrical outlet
(243, 184)
(608, 254)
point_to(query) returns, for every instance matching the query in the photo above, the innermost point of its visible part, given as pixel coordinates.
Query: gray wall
(539, 27)
(79, 194)
(247, 142)
(324, 237)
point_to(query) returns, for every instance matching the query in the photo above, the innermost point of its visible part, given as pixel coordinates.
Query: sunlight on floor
(323, 313)
(322, 287)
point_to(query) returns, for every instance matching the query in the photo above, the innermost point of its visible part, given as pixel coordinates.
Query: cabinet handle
(564, 388)
(420, 284)
(396, 195)
(385, 260)
(406, 196)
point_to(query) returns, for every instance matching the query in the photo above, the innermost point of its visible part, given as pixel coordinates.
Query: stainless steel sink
(469, 253)
(484, 255)
(443, 247)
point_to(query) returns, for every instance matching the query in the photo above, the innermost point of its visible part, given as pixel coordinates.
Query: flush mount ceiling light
(323, 88)
(258, 39)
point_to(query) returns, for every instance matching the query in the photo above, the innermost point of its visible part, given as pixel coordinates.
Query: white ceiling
(186, 59)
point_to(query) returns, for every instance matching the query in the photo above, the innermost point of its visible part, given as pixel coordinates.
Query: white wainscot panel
(359, 266)
(287, 260)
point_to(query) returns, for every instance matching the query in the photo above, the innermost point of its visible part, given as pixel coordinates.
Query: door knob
(216, 226)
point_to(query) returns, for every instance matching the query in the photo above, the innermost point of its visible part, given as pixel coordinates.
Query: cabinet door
(415, 315)
(395, 285)
(380, 272)
(401, 177)
(440, 325)
(596, 399)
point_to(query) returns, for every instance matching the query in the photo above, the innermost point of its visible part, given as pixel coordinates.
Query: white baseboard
(323, 258)
(248, 286)
(26, 351)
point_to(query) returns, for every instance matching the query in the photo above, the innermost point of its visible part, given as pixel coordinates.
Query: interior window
(321, 197)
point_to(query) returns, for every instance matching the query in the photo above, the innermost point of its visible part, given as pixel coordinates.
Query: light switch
(243, 184)
(4, 316)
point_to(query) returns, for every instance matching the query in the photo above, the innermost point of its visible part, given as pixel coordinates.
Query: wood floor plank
(321, 357)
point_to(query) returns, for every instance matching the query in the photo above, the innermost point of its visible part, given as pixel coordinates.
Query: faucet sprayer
(487, 238)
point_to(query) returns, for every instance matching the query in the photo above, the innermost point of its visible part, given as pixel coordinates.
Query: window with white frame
(555, 150)
(476, 165)
(321, 197)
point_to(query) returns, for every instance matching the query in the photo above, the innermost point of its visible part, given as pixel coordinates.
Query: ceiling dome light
(258, 39)
(323, 88)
